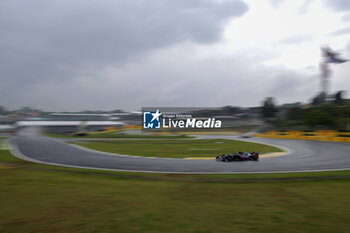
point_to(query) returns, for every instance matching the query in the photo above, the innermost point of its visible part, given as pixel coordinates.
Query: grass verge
(35, 200)
(177, 148)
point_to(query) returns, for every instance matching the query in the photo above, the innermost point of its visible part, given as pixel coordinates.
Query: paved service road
(304, 156)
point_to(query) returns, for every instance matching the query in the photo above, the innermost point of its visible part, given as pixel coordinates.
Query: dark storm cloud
(47, 42)
(184, 81)
(338, 5)
(341, 31)
(98, 30)
(295, 39)
(276, 3)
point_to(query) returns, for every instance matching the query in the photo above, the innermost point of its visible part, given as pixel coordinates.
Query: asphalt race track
(303, 156)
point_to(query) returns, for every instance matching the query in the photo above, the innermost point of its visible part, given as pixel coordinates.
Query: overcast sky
(64, 55)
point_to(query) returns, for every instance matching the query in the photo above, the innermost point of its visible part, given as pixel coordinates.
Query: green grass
(117, 135)
(49, 201)
(3, 145)
(1, 137)
(177, 148)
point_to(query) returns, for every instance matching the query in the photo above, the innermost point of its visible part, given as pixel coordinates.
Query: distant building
(69, 126)
(79, 117)
(323, 98)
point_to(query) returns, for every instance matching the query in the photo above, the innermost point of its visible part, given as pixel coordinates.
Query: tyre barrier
(318, 135)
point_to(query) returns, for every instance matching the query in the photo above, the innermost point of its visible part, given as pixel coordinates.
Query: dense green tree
(295, 114)
(268, 109)
(3, 110)
(319, 117)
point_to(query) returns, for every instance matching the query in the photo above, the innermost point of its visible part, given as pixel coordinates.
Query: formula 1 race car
(239, 156)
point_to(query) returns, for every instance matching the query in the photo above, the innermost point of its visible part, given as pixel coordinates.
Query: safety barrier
(318, 135)
(132, 127)
(107, 130)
